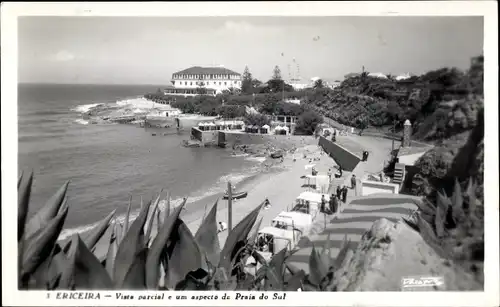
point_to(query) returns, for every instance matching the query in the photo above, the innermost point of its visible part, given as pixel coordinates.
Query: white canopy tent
(298, 220)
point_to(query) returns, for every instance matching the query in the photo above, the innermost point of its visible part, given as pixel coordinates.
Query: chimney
(406, 134)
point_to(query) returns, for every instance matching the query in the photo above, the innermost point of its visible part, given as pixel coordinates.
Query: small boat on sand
(236, 195)
(277, 154)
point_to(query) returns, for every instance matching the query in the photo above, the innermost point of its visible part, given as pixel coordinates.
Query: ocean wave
(85, 107)
(256, 159)
(81, 121)
(219, 187)
(240, 155)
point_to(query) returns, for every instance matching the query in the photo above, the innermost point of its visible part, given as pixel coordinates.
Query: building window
(220, 83)
(225, 83)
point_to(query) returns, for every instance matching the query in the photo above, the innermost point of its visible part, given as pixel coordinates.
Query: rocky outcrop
(391, 251)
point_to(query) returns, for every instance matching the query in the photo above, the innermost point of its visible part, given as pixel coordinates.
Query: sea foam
(85, 107)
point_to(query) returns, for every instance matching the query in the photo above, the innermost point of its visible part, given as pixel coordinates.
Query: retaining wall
(343, 157)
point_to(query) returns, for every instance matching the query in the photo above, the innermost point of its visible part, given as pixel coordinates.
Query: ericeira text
(236, 181)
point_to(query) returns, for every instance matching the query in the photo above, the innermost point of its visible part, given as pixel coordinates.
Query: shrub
(307, 123)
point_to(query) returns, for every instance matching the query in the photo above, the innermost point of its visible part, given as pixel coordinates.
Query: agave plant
(174, 258)
(449, 219)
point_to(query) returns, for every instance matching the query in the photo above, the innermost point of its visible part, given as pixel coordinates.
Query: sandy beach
(281, 186)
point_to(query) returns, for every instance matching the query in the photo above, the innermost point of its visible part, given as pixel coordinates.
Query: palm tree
(318, 84)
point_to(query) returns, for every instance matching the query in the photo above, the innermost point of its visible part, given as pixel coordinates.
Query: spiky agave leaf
(84, 271)
(184, 254)
(97, 232)
(275, 271)
(58, 263)
(40, 245)
(40, 278)
(426, 230)
(346, 245)
(112, 248)
(135, 279)
(317, 269)
(237, 235)
(295, 281)
(19, 179)
(167, 207)
(158, 246)
(47, 212)
(207, 237)
(24, 192)
(252, 237)
(158, 221)
(127, 216)
(443, 203)
(149, 227)
(471, 193)
(129, 249)
(457, 203)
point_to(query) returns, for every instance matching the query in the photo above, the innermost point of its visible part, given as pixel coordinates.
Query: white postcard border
(11, 296)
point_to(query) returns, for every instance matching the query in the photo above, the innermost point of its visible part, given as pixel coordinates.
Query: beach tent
(298, 220)
(264, 129)
(312, 197)
(308, 166)
(280, 130)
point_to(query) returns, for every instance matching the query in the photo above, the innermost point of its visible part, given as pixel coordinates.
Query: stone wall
(343, 157)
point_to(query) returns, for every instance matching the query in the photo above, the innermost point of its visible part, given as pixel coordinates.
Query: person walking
(329, 175)
(222, 226)
(353, 182)
(323, 203)
(344, 194)
(339, 192)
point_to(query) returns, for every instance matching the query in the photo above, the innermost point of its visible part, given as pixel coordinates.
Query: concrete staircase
(399, 173)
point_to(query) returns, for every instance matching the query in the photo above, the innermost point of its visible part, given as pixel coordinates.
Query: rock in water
(391, 251)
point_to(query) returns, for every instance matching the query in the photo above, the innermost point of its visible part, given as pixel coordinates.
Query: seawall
(342, 156)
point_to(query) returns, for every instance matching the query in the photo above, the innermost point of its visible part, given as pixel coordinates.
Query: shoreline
(280, 183)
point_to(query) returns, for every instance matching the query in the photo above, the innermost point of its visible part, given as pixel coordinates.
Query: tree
(307, 122)
(201, 90)
(318, 84)
(256, 119)
(246, 83)
(362, 123)
(276, 73)
(270, 105)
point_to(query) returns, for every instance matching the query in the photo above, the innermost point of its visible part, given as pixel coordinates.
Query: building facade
(208, 80)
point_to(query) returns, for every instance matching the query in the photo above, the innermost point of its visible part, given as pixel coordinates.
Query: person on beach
(334, 203)
(330, 175)
(331, 206)
(344, 194)
(222, 226)
(339, 192)
(353, 182)
(323, 203)
(267, 204)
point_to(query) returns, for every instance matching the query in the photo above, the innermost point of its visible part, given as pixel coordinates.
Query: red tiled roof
(197, 70)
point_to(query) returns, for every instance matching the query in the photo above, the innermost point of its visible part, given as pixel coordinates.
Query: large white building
(187, 82)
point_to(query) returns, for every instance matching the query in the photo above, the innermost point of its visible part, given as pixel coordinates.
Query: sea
(107, 164)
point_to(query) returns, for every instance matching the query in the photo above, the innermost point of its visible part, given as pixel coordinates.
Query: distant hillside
(425, 100)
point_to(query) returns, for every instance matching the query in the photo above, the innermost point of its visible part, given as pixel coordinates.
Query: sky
(148, 50)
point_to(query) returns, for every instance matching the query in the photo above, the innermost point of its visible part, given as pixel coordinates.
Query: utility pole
(283, 91)
(394, 132)
(229, 207)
